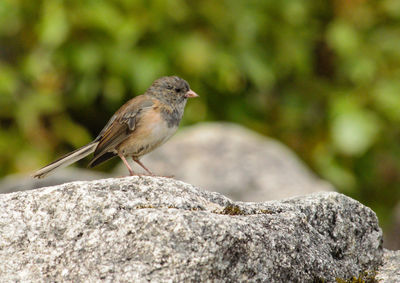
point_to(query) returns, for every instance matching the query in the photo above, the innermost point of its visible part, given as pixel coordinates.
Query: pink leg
(126, 164)
(141, 164)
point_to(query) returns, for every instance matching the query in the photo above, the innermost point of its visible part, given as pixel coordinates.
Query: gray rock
(141, 229)
(389, 272)
(232, 160)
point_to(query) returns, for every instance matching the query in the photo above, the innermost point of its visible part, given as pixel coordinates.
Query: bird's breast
(151, 131)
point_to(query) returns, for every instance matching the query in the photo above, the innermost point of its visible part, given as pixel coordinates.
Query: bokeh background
(323, 77)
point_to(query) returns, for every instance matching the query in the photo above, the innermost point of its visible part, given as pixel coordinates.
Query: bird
(138, 127)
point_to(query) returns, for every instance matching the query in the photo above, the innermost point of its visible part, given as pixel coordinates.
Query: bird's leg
(141, 164)
(126, 164)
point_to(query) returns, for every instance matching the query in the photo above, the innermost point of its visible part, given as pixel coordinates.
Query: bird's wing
(122, 124)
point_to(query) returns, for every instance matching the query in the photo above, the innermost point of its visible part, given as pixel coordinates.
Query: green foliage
(322, 76)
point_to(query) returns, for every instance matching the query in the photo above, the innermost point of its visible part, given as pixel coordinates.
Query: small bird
(138, 127)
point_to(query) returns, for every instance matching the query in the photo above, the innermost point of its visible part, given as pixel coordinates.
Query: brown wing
(121, 124)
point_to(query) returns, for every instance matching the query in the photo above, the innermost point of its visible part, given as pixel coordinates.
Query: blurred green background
(321, 76)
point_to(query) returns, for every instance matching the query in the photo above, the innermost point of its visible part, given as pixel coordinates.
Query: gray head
(173, 90)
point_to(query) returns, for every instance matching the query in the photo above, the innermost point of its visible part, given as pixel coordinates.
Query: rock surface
(232, 160)
(141, 229)
(389, 272)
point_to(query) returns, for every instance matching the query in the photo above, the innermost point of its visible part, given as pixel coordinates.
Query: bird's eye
(178, 89)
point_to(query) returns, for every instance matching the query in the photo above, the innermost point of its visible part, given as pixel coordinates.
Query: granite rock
(389, 272)
(140, 229)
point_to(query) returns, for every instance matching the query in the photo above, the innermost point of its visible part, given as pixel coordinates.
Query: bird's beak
(190, 94)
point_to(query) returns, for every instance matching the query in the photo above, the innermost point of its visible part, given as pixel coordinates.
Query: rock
(20, 182)
(389, 272)
(140, 229)
(234, 161)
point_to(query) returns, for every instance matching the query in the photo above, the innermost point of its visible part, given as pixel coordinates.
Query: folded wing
(119, 128)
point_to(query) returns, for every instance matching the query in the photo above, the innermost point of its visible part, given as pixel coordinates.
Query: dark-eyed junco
(138, 127)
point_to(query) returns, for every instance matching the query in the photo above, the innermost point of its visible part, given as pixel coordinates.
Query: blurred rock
(152, 229)
(232, 160)
(389, 272)
(21, 182)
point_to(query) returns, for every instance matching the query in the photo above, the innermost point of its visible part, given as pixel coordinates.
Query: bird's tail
(66, 160)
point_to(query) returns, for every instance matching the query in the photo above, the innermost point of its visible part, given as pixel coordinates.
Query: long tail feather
(66, 160)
